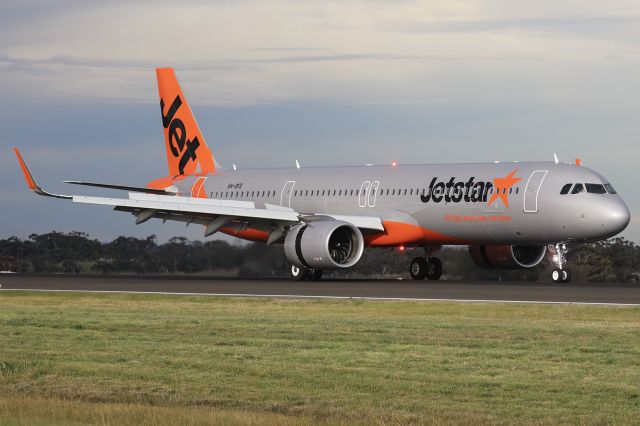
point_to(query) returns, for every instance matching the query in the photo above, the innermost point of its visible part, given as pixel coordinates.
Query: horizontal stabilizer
(122, 187)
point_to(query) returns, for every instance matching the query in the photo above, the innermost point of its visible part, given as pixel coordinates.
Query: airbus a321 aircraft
(511, 215)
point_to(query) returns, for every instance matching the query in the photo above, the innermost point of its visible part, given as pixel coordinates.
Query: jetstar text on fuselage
(453, 191)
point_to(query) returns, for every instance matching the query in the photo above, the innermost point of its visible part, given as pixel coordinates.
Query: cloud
(578, 24)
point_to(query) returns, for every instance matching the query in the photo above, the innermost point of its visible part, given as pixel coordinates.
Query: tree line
(613, 260)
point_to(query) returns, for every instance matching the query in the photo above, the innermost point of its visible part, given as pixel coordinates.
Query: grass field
(135, 359)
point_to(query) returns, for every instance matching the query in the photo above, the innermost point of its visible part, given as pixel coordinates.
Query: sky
(327, 83)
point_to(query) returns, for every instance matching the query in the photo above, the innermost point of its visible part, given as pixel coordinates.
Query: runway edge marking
(302, 296)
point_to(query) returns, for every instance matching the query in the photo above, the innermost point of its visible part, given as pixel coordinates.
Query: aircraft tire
(566, 276)
(556, 275)
(298, 273)
(316, 274)
(419, 268)
(434, 271)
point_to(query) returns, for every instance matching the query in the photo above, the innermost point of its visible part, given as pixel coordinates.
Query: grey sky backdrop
(329, 83)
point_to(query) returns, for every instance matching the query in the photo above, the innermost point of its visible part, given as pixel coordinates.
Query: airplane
(509, 214)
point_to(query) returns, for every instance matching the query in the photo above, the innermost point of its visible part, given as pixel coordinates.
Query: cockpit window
(595, 188)
(565, 189)
(610, 188)
(578, 188)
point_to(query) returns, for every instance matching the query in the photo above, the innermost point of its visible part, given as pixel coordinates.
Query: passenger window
(610, 188)
(595, 188)
(565, 189)
(578, 188)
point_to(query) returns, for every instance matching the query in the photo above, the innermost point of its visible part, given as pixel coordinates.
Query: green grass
(131, 359)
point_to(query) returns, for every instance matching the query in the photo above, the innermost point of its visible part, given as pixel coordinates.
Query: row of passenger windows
(592, 188)
(242, 194)
(352, 192)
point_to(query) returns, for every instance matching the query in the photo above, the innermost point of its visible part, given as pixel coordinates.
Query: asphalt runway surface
(529, 292)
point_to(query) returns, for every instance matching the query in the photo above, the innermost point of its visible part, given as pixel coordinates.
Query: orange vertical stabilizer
(187, 151)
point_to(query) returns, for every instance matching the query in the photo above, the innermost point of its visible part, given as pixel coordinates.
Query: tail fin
(186, 148)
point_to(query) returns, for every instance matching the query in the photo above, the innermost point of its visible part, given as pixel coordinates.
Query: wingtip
(31, 182)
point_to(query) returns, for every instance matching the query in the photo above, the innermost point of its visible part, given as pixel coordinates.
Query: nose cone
(616, 217)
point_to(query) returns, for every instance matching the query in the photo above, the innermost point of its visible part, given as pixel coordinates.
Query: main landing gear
(560, 273)
(300, 273)
(426, 267)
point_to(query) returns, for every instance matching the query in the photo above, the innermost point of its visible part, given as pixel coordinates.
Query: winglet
(31, 182)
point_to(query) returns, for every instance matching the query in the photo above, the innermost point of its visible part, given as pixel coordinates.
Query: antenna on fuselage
(555, 158)
(234, 167)
(297, 164)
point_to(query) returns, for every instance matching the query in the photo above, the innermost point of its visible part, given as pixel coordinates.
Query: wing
(214, 214)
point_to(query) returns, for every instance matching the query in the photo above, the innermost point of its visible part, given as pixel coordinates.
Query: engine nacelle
(507, 257)
(324, 244)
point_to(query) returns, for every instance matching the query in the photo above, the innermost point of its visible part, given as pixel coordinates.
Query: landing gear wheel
(557, 255)
(419, 268)
(316, 274)
(298, 273)
(434, 271)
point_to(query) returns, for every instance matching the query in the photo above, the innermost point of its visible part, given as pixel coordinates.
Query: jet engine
(507, 257)
(324, 244)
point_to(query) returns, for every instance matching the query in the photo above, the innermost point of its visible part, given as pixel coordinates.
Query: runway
(521, 292)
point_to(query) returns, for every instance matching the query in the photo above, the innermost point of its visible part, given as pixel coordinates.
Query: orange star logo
(502, 186)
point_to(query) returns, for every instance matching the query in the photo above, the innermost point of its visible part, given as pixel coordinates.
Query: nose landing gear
(557, 253)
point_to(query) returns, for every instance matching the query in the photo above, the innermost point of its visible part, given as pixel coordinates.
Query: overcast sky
(329, 83)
